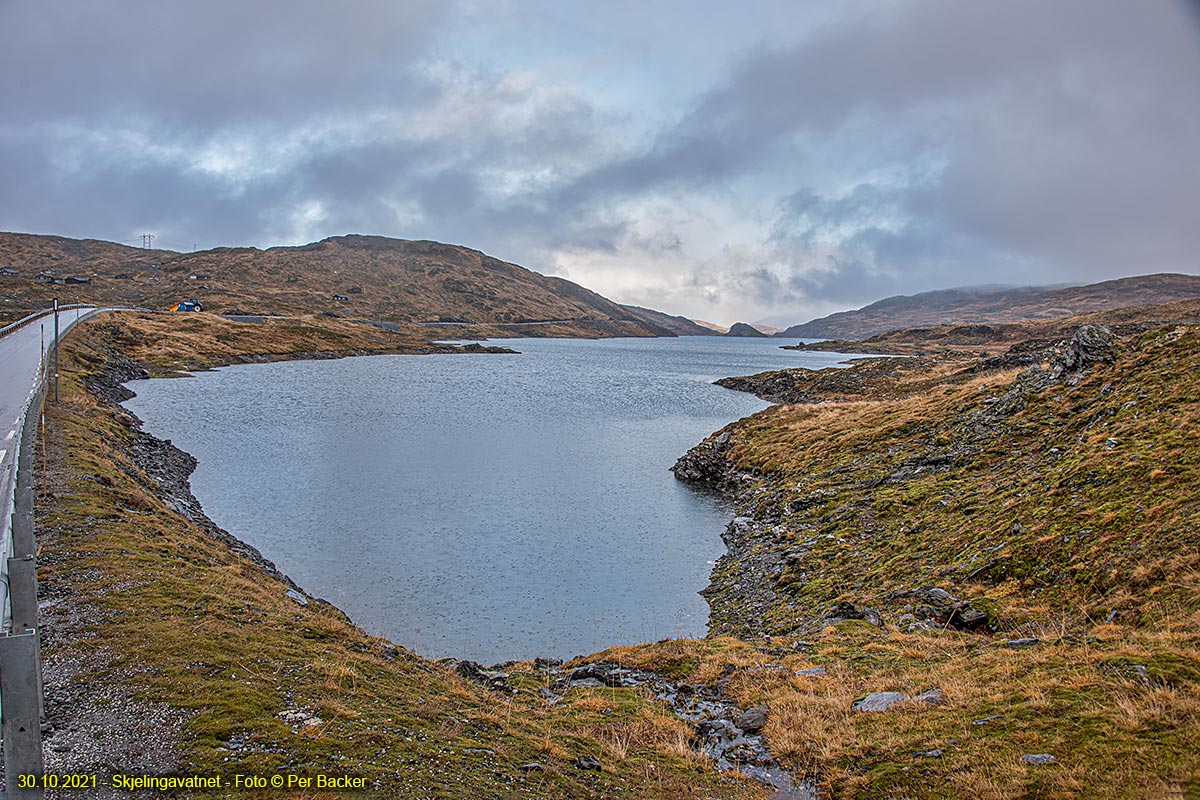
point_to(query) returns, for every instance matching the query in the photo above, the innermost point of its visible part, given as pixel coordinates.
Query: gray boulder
(878, 701)
(1038, 759)
(751, 720)
(844, 611)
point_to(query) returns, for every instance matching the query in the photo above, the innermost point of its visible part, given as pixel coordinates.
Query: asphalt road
(20, 357)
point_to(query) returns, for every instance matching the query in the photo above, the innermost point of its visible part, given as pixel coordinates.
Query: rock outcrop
(742, 329)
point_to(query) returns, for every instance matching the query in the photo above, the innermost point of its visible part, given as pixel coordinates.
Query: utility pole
(148, 241)
(56, 349)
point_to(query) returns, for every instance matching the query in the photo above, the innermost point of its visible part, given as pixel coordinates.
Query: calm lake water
(479, 506)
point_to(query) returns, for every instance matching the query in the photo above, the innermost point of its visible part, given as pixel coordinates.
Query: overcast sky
(727, 161)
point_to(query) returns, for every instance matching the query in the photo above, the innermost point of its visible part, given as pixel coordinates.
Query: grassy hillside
(1055, 502)
(376, 278)
(992, 306)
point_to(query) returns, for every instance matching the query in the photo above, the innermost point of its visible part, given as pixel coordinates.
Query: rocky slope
(996, 306)
(680, 326)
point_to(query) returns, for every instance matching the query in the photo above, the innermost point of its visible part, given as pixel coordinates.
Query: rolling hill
(362, 277)
(992, 305)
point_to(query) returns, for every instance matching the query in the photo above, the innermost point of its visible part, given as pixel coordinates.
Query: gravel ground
(93, 722)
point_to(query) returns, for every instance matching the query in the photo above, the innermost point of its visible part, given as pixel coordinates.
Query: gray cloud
(870, 151)
(196, 66)
(1065, 132)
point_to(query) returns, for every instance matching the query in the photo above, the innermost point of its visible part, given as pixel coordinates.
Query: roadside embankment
(171, 647)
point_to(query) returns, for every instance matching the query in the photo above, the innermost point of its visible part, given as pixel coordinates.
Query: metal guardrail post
(22, 725)
(22, 593)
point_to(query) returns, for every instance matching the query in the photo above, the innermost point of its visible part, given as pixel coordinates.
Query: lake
(477, 506)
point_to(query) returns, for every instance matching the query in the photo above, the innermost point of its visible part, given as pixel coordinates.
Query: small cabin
(73, 280)
(48, 279)
(199, 276)
(189, 305)
(7, 271)
(341, 298)
(354, 290)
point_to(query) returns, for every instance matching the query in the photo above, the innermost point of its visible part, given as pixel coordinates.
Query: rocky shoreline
(765, 541)
(741, 585)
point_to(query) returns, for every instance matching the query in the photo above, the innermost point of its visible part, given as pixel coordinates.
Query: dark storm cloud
(200, 65)
(889, 148)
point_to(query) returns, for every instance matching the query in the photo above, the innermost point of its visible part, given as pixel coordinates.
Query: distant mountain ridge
(356, 276)
(680, 326)
(990, 305)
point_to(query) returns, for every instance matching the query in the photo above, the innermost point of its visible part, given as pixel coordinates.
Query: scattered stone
(1019, 643)
(532, 766)
(747, 751)
(935, 753)
(550, 697)
(878, 701)
(752, 719)
(1090, 343)
(811, 672)
(494, 679)
(297, 596)
(933, 697)
(606, 674)
(1110, 443)
(478, 751)
(546, 663)
(844, 611)
(718, 727)
(987, 720)
(730, 746)
(940, 596)
(707, 464)
(967, 617)
(587, 762)
(298, 716)
(1038, 759)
